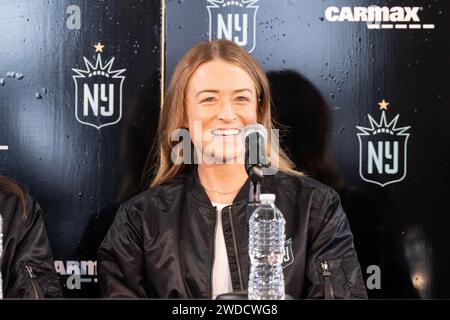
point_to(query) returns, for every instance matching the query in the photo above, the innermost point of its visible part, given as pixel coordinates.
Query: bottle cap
(267, 198)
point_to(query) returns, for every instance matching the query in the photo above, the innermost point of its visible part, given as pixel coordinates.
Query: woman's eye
(209, 99)
(242, 99)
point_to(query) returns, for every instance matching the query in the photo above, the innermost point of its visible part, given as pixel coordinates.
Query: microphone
(255, 140)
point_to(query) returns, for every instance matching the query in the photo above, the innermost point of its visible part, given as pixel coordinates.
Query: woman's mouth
(228, 132)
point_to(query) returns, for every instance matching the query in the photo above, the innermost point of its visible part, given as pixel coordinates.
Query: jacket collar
(197, 191)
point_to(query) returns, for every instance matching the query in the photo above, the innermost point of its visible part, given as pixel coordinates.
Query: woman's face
(220, 101)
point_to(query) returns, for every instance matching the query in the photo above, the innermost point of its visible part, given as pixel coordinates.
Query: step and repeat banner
(360, 89)
(79, 103)
(363, 87)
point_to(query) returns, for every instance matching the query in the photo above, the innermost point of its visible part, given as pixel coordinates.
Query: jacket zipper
(213, 241)
(327, 284)
(236, 250)
(32, 278)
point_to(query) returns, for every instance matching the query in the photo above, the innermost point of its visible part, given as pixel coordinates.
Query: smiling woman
(222, 99)
(216, 85)
(187, 235)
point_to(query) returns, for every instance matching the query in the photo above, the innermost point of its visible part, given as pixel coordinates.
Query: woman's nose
(227, 111)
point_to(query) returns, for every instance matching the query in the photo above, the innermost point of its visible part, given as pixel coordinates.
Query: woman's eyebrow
(208, 90)
(240, 90)
(216, 91)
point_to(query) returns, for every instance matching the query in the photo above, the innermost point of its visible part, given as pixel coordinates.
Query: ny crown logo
(383, 150)
(288, 258)
(233, 20)
(98, 92)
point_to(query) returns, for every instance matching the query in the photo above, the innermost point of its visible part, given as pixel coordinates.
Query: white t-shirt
(221, 276)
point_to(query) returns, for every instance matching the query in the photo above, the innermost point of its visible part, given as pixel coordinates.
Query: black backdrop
(78, 173)
(327, 78)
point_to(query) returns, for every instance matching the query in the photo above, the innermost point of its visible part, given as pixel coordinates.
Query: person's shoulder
(300, 187)
(19, 209)
(156, 196)
(321, 199)
(8, 196)
(150, 203)
(20, 200)
(9, 205)
(300, 183)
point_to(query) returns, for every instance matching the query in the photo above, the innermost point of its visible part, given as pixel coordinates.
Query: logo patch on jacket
(288, 253)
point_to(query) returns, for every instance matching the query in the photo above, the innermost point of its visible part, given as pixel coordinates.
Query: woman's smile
(226, 132)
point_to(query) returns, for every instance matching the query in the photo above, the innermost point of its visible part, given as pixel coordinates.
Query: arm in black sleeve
(32, 273)
(333, 268)
(120, 257)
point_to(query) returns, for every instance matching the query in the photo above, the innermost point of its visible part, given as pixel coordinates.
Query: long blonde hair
(173, 112)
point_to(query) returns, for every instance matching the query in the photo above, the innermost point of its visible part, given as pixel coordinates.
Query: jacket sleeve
(120, 257)
(33, 274)
(333, 268)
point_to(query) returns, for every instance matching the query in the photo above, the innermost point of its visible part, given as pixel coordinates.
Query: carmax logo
(379, 17)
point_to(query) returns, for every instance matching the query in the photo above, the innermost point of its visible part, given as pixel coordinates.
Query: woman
(187, 235)
(26, 261)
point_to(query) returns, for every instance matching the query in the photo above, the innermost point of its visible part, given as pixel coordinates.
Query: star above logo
(98, 47)
(383, 105)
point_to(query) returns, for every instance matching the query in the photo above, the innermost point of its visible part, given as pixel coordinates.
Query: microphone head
(252, 128)
(255, 137)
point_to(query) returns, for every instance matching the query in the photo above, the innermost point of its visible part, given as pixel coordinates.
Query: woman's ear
(185, 123)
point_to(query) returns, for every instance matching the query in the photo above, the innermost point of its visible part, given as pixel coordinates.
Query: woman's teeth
(225, 132)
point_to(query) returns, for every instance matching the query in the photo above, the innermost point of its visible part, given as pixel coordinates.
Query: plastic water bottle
(266, 250)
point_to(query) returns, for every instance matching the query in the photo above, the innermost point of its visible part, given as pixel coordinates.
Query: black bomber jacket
(27, 261)
(161, 243)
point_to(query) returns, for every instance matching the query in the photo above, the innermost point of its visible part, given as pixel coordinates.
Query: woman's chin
(224, 158)
(227, 153)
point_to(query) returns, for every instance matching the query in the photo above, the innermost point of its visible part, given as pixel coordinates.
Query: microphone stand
(256, 174)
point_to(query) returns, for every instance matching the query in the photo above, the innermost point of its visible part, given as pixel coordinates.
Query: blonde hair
(171, 118)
